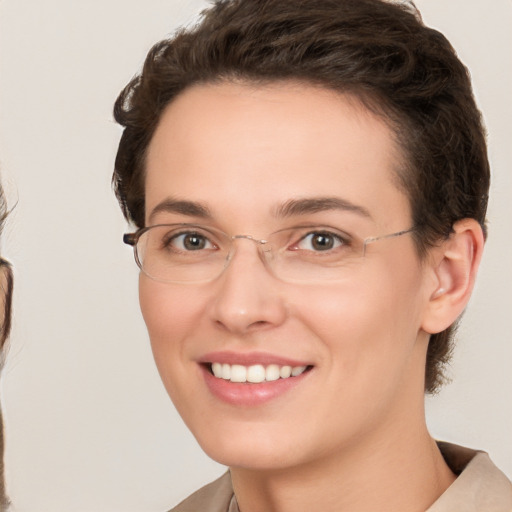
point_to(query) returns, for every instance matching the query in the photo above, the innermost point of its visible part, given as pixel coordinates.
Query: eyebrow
(188, 208)
(291, 208)
(318, 204)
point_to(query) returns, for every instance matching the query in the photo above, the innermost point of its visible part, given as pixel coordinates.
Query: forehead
(242, 147)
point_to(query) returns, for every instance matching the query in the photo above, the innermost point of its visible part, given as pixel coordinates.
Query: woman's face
(239, 156)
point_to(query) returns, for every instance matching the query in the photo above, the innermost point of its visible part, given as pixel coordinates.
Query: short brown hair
(6, 286)
(378, 51)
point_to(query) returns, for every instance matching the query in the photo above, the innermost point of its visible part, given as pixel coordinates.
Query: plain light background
(88, 424)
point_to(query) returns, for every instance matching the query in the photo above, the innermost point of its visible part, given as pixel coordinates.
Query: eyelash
(167, 241)
(336, 240)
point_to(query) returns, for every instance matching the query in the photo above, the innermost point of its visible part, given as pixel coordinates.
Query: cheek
(370, 338)
(170, 314)
(369, 326)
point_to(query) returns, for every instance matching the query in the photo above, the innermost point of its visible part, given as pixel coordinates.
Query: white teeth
(226, 371)
(272, 372)
(217, 370)
(297, 370)
(255, 373)
(238, 373)
(285, 372)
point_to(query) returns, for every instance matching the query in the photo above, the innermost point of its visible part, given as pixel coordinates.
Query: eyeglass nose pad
(266, 251)
(229, 256)
(267, 256)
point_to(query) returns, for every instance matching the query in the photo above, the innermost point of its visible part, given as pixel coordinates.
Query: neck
(406, 472)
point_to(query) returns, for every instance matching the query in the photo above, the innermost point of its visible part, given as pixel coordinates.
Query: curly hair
(377, 51)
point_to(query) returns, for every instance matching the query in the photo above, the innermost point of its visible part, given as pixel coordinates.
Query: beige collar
(479, 487)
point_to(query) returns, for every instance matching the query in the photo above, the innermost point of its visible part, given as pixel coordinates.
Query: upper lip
(250, 358)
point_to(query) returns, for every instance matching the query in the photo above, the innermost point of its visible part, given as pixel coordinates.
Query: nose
(248, 297)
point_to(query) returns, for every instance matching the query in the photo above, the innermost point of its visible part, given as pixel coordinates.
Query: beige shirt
(479, 487)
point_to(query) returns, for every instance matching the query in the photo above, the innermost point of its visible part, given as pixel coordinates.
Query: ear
(453, 267)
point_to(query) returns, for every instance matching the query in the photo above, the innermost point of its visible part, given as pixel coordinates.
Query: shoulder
(214, 497)
(480, 485)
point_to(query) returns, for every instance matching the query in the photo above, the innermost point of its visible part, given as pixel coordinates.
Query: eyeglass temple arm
(130, 238)
(383, 237)
(391, 235)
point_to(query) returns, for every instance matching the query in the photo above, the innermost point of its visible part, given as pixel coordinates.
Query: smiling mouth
(255, 374)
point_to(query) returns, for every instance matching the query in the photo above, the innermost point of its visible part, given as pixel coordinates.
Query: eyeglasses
(190, 253)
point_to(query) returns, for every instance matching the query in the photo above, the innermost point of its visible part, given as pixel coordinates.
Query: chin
(249, 459)
(249, 449)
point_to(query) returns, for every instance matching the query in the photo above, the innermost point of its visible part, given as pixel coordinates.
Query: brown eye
(193, 242)
(320, 241)
(189, 242)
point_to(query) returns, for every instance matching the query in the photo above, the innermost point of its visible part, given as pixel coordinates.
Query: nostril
(259, 323)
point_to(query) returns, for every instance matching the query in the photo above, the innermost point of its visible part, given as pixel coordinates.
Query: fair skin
(348, 434)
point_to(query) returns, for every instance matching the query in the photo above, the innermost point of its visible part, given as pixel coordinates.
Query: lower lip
(249, 394)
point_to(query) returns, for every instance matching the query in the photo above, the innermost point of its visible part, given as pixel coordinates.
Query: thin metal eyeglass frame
(383, 237)
(133, 238)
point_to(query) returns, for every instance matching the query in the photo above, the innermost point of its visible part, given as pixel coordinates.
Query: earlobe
(454, 267)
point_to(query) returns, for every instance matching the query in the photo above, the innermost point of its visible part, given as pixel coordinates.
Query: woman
(310, 184)
(5, 326)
